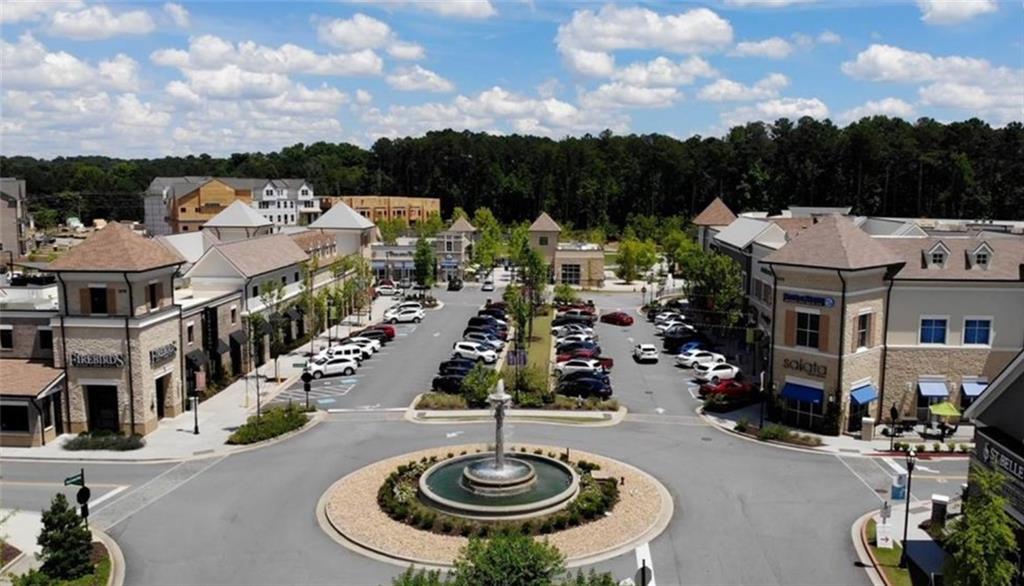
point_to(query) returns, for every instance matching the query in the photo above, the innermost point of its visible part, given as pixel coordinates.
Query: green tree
(65, 541)
(519, 309)
(46, 218)
(478, 383)
(981, 541)
(715, 285)
(413, 577)
(635, 258)
(423, 263)
(509, 560)
(431, 226)
(271, 295)
(391, 229)
(458, 212)
(565, 293)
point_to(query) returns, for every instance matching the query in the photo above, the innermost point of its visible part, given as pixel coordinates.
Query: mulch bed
(98, 553)
(7, 553)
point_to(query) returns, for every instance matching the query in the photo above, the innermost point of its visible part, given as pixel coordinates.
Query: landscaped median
(886, 561)
(271, 423)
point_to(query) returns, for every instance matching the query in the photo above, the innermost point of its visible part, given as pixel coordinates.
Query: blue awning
(864, 395)
(801, 393)
(929, 388)
(973, 388)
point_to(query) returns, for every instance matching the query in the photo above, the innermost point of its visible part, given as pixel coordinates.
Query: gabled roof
(256, 256)
(1005, 262)
(238, 215)
(341, 217)
(1002, 383)
(544, 223)
(716, 214)
(742, 231)
(189, 245)
(116, 247)
(461, 225)
(834, 243)
(27, 378)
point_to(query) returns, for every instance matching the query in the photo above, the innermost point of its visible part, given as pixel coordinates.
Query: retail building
(454, 249)
(572, 263)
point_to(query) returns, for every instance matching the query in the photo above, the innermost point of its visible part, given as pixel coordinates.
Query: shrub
(104, 440)
(441, 401)
(275, 421)
(773, 431)
(65, 541)
(950, 447)
(964, 448)
(477, 384)
(937, 447)
(742, 425)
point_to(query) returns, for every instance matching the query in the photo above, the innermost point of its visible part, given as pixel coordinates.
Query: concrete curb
(859, 536)
(710, 421)
(539, 416)
(7, 567)
(117, 562)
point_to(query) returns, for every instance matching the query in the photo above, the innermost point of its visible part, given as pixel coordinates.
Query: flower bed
(398, 498)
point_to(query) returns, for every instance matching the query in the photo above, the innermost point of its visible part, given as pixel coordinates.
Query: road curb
(539, 416)
(117, 562)
(859, 536)
(710, 421)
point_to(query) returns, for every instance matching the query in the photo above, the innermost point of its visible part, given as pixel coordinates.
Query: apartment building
(391, 207)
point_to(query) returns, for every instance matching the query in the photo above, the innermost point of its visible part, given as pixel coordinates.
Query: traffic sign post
(306, 379)
(83, 494)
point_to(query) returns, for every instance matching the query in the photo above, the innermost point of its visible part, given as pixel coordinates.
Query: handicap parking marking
(348, 381)
(325, 401)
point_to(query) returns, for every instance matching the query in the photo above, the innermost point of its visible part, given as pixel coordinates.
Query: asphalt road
(745, 513)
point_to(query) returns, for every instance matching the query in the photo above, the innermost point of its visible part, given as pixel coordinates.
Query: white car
(663, 327)
(406, 316)
(574, 338)
(387, 290)
(576, 312)
(369, 343)
(668, 316)
(567, 329)
(488, 285)
(400, 307)
(645, 353)
(713, 372)
(352, 351)
(328, 366)
(474, 351)
(691, 358)
(578, 364)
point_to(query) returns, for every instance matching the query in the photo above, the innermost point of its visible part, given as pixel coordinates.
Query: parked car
(617, 318)
(645, 353)
(461, 368)
(562, 320)
(455, 284)
(343, 350)
(496, 305)
(494, 312)
(493, 342)
(676, 339)
(574, 338)
(694, 345)
(374, 345)
(448, 383)
(668, 316)
(714, 372)
(731, 388)
(663, 327)
(388, 290)
(570, 346)
(584, 306)
(488, 285)
(400, 307)
(474, 351)
(584, 387)
(571, 329)
(329, 366)
(653, 312)
(407, 315)
(489, 321)
(389, 330)
(379, 335)
(691, 358)
(405, 284)
(499, 334)
(578, 364)
(578, 374)
(578, 312)
(455, 363)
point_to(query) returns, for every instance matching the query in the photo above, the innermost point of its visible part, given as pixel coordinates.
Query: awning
(222, 347)
(238, 336)
(944, 409)
(196, 358)
(293, 313)
(864, 395)
(973, 388)
(802, 393)
(930, 388)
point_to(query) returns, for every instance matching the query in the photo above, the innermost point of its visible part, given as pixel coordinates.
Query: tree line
(878, 165)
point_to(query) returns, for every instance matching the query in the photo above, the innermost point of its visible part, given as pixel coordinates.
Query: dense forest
(881, 166)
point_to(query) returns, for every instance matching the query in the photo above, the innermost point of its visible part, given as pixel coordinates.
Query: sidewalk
(218, 416)
(846, 444)
(21, 531)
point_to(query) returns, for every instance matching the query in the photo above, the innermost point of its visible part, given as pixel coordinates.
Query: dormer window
(981, 259)
(938, 258)
(937, 255)
(268, 192)
(305, 191)
(982, 255)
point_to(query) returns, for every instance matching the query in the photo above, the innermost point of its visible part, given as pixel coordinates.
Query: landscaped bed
(548, 401)
(777, 433)
(104, 440)
(888, 559)
(100, 559)
(273, 422)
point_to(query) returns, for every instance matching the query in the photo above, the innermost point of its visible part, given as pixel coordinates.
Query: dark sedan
(566, 347)
(494, 312)
(585, 387)
(448, 383)
(500, 334)
(572, 319)
(618, 318)
(581, 374)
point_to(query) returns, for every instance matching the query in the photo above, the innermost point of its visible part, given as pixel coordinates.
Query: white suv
(474, 351)
(406, 316)
(343, 351)
(403, 306)
(327, 366)
(645, 353)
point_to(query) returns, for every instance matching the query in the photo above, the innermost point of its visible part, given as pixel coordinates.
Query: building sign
(996, 457)
(815, 300)
(97, 360)
(806, 367)
(161, 353)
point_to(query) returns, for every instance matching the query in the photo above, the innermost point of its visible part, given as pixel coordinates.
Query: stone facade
(904, 367)
(27, 334)
(590, 263)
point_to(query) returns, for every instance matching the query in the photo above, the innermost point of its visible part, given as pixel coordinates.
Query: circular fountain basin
(529, 485)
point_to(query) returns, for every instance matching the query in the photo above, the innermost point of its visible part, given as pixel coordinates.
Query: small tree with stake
(65, 540)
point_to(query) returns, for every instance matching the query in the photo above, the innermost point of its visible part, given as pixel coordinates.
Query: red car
(618, 318)
(389, 330)
(606, 361)
(731, 389)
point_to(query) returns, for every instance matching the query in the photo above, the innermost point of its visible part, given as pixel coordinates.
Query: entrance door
(161, 395)
(102, 402)
(236, 357)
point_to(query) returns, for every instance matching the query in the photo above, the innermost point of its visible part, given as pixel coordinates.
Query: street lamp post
(911, 460)
(643, 296)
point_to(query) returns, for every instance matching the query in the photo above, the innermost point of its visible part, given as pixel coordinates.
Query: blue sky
(154, 78)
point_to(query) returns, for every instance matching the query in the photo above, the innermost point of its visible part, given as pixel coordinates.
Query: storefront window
(14, 418)
(571, 274)
(47, 407)
(933, 331)
(807, 329)
(6, 339)
(976, 331)
(804, 414)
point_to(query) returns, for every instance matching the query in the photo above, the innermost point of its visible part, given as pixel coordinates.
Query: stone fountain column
(500, 400)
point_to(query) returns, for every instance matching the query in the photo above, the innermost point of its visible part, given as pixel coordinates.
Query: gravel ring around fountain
(349, 513)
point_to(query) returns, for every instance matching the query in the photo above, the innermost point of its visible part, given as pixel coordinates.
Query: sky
(145, 79)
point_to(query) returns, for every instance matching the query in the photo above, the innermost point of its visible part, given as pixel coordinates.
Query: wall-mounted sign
(97, 360)
(815, 300)
(161, 353)
(806, 367)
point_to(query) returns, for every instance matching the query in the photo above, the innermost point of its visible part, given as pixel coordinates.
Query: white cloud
(233, 83)
(363, 97)
(406, 51)
(613, 28)
(771, 110)
(771, 48)
(180, 92)
(828, 37)
(324, 100)
(358, 32)
(33, 10)
(460, 8)
(621, 95)
(549, 87)
(888, 63)
(132, 112)
(179, 15)
(662, 71)
(954, 11)
(1001, 103)
(726, 90)
(28, 65)
(99, 22)
(590, 63)
(885, 107)
(767, 3)
(416, 78)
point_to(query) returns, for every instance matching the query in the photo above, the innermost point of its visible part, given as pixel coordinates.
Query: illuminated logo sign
(97, 360)
(815, 300)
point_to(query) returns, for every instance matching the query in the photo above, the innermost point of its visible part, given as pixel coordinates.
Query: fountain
(493, 486)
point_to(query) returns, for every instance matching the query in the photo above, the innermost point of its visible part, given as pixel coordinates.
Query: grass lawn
(539, 348)
(888, 559)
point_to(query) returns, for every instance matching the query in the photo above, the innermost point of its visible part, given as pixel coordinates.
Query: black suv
(455, 284)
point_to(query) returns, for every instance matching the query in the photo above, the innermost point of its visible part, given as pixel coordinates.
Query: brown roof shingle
(833, 242)
(1004, 264)
(26, 378)
(116, 247)
(716, 214)
(461, 225)
(544, 223)
(261, 255)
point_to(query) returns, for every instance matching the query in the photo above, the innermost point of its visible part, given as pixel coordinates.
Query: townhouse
(572, 263)
(391, 207)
